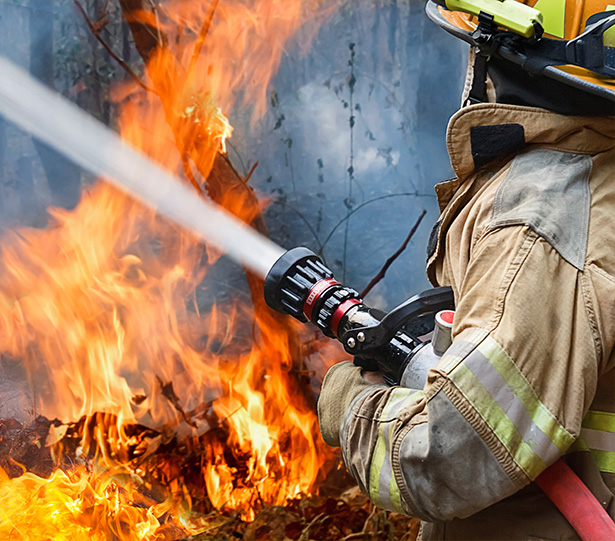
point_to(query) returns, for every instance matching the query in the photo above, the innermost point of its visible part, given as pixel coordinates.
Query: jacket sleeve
(504, 402)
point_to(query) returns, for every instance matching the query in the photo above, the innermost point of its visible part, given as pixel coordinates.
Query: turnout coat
(526, 240)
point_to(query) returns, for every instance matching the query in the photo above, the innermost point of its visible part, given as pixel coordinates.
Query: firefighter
(526, 241)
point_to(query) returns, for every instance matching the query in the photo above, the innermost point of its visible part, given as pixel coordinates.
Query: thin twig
(201, 39)
(158, 37)
(374, 200)
(250, 173)
(305, 221)
(355, 535)
(230, 146)
(107, 48)
(392, 259)
(169, 393)
(318, 518)
(210, 529)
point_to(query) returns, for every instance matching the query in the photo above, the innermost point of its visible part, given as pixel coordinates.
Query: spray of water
(98, 149)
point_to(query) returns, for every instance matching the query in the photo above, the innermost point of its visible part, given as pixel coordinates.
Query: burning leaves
(79, 505)
(120, 504)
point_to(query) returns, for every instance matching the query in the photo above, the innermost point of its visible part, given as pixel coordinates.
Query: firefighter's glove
(342, 383)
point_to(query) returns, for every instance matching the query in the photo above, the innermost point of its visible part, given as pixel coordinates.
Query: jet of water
(98, 149)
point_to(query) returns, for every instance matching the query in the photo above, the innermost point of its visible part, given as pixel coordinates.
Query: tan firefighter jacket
(526, 239)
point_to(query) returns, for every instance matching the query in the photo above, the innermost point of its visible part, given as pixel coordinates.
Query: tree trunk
(63, 177)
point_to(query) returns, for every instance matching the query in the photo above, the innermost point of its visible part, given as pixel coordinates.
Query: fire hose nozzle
(299, 284)
(290, 280)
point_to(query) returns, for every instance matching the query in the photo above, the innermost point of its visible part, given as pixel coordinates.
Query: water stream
(98, 149)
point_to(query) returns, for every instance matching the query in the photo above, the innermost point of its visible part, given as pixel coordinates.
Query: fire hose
(299, 284)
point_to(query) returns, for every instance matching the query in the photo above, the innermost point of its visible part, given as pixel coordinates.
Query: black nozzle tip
(279, 272)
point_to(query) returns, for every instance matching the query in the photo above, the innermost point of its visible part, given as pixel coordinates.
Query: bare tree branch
(376, 279)
(250, 173)
(96, 32)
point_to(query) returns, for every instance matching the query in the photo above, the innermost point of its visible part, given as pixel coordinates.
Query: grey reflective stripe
(599, 439)
(461, 348)
(505, 397)
(548, 191)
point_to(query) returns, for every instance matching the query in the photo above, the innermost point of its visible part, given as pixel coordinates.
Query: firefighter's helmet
(572, 41)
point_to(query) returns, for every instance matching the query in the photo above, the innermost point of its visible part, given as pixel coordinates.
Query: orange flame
(102, 308)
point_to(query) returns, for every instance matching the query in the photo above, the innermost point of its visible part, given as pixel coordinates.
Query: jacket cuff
(342, 383)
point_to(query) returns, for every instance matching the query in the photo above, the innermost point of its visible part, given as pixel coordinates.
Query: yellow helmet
(572, 41)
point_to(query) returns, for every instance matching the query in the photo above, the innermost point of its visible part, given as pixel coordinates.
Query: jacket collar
(580, 135)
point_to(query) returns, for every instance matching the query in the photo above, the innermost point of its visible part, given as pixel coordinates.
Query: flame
(102, 308)
(78, 505)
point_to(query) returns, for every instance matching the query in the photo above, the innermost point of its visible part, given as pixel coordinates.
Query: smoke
(50, 41)
(355, 139)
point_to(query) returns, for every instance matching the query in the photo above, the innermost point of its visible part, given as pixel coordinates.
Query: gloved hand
(342, 383)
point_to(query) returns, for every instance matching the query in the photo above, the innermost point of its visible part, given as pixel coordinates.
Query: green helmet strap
(478, 90)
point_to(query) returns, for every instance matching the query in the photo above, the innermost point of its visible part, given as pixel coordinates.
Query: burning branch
(201, 39)
(224, 185)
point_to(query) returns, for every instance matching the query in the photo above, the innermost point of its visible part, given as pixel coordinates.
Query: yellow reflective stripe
(599, 430)
(599, 420)
(498, 421)
(501, 394)
(374, 471)
(383, 488)
(605, 460)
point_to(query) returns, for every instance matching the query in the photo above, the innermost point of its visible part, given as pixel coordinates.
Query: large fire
(103, 309)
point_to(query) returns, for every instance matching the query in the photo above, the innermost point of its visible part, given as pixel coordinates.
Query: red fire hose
(576, 502)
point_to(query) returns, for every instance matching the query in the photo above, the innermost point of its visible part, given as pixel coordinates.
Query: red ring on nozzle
(341, 311)
(315, 293)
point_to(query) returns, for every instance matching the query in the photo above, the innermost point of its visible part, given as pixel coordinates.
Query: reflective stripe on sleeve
(503, 397)
(383, 489)
(598, 435)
